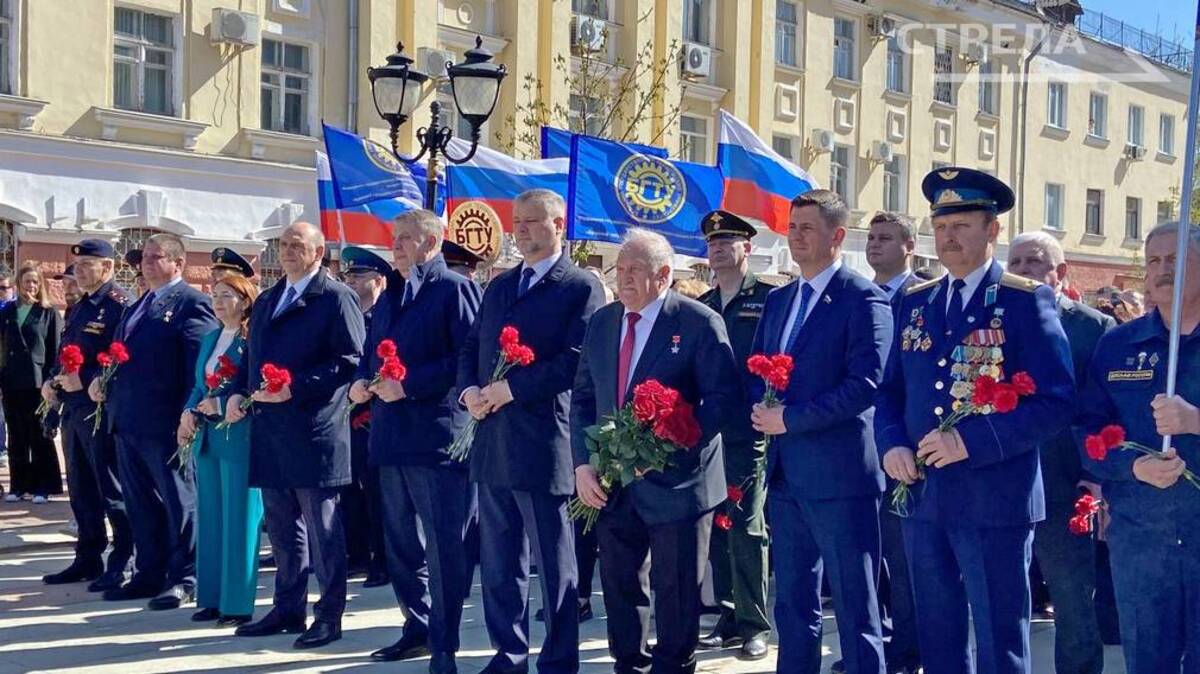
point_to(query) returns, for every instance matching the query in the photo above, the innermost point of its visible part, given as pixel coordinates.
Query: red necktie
(626, 358)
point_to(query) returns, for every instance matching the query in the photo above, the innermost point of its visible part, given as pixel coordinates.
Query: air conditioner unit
(822, 140)
(976, 53)
(697, 61)
(234, 27)
(433, 62)
(882, 151)
(881, 26)
(1134, 152)
(587, 33)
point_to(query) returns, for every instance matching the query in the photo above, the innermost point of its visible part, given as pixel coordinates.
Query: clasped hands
(388, 390)
(481, 402)
(937, 449)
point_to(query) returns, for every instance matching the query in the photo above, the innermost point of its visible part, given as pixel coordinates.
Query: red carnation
(779, 377)
(1087, 505)
(1080, 525)
(723, 521)
(679, 426)
(734, 494)
(1113, 435)
(758, 364)
(509, 336)
(212, 380)
(393, 369)
(1005, 398)
(520, 354)
(1024, 384)
(1097, 449)
(71, 358)
(782, 361)
(361, 420)
(386, 349)
(275, 378)
(225, 367)
(104, 359)
(983, 391)
(119, 353)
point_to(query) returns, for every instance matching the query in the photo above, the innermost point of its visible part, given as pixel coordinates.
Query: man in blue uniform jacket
(426, 312)
(823, 476)
(162, 333)
(311, 325)
(1154, 536)
(521, 458)
(970, 529)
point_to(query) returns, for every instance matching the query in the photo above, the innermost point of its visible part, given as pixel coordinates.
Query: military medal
(167, 316)
(1153, 359)
(675, 344)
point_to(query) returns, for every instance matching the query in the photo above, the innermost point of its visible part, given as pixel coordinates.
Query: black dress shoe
(838, 667)
(376, 579)
(721, 636)
(754, 649)
(233, 620)
(442, 663)
(409, 646)
(130, 590)
(585, 612)
(108, 581)
(272, 623)
(206, 615)
(75, 573)
(320, 634)
(170, 598)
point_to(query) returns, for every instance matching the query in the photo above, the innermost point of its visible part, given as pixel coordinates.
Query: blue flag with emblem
(612, 187)
(556, 144)
(364, 171)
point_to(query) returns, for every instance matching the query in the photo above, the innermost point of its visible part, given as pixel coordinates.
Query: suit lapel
(156, 307)
(553, 275)
(664, 330)
(606, 382)
(817, 314)
(314, 288)
(779, 319)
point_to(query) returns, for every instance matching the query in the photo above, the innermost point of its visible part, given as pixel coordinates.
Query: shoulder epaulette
(1019, 282)
(924, 285)
(117, 294)
(772, 283)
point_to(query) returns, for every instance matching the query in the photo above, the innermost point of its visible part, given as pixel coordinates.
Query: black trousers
(679, 551)
(95, 492)
(587, 551)
(161, 506)
(32, 460)
(306, 531)
(362, 503)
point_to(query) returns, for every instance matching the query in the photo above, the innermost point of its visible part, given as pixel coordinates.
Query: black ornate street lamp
(475, 84)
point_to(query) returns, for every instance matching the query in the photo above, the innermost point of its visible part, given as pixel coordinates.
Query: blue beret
(358, 260)
(93, 248)
(224, 258)
(954, 189)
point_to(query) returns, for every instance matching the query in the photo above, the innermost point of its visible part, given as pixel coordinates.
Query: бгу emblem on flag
(475, 226)
(650, 190)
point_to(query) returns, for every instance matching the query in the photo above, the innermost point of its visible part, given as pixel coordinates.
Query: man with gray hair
(654, 333)
(1067, 561)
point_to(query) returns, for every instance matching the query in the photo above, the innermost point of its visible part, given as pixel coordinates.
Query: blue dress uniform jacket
(304, 442)
(523, 446)
(1000, 483)
(147, 394)
(91, 325)
(1154, 535)
(839, 354)
(429, 332)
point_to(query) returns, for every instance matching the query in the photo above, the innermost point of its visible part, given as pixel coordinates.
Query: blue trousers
(160, 506)
(841, 535)
(986, 569)
(95, 492)
(228, 515)
(306, 532)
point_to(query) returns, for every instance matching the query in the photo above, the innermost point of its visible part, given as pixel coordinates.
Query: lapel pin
(827, 300)
(675, 344)
(167, 316)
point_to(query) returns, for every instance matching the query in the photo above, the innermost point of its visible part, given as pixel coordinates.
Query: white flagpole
(1185, 208)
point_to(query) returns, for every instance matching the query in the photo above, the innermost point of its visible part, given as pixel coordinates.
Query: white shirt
(895, 283)
(818, 284)
(223, 341)
(972, 282)
(641, 331)
(300, 286)
(540, 268)
(162, 290)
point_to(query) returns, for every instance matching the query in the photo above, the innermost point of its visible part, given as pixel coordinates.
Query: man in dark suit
(1067, 561)
(427, 312)
(311, 325)
(162, 333)
(654, 333)
(521, 457)
(823, 473)
(91, 458)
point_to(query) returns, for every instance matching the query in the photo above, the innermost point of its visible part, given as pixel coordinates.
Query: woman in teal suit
(228, 511)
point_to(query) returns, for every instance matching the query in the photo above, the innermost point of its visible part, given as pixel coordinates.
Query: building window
(893, 184)
(783, 146)
(696, 15)
(1166, 135)
(989, 90)
(787, 24)
(1098, 115)
(144, 61)
(1166, 212)
(595, 8)
(938, 165)
(693, 139)
(269, 268)
(130, 239)
(1056, 105)
(1054, 206)
(1093, 214)
(897, 66)
(286, 80)
(586, 115)
(845, 64)
(1137, 115)
(1133, 218)
(943, 75)
(8, 247)
(6, 46)
(841, 171)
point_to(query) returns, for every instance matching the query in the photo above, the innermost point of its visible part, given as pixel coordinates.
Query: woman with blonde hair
(228, 511)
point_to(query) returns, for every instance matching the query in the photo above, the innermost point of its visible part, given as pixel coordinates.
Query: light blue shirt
(972, 282)
(540, 268)
(818, 284)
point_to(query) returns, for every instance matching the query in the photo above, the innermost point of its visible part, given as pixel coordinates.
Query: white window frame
(1159, 217)
(297, 8)
(896, 66)
(989, 88)
(687, 140)
(895, 184)
(852, 51)
(710, 28)
(947, 78)
(1136, 212)
(310, 106)
(576, 8)
(1054, 217)
(577, 109)
(1087, 205)
(12, 49)
(847, 168)
(176, 70)
(1139, 138)
(1056, 104)
(797, 34)
(1166, 137)
(1098, 128)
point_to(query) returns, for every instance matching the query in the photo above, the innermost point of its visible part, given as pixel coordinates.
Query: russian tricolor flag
(496, 179)
(759, 182)
(369, 224)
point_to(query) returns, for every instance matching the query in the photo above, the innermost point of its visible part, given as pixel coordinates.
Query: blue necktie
(408, 294)
(954, 312)
(288, 298)
(526, 281)
(139, 313)
(806, 292)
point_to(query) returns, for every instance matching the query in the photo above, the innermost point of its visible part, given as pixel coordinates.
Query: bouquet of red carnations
(274, 378)
(1087, 507)
(214, 381)
(512, 354)
(636, 439)
(109, 361)
(70, 361)
(1113, 437)
(776, 373)
(390, 369)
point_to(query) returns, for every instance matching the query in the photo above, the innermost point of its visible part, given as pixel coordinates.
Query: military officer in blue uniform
(969, 531)
(91, 458)
(739, 556)
(1154, 534)
(226, 261)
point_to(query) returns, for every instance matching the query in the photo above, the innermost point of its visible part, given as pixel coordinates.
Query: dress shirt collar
(302, 284)
(894, 284)
(162, 290)
(972, 282)
(418, 272)
(820, 281)
(541, 267)
(648, 313)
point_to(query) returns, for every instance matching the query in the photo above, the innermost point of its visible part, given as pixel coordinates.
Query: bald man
(300, 437)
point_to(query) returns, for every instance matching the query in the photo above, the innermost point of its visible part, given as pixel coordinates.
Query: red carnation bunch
(637, 439)
(1087, 507)
(1112, 437)
(70, 361)
(274, 380)
(214, 381)
(391, 368)
(512, 354)
(988, 396)
(775, 371)
(116, 356)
